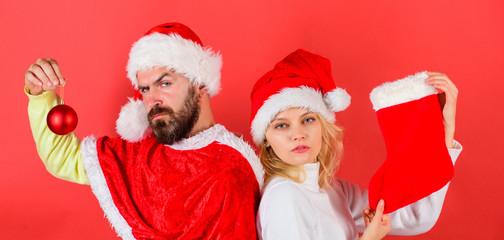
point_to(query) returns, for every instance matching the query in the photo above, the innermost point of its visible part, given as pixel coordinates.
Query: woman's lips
(300, 149)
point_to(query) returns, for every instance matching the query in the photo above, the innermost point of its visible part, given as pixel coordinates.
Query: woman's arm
(448, 100)
(416, 218)
(285, 214)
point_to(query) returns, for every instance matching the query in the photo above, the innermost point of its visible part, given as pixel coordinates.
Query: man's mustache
(159, 110)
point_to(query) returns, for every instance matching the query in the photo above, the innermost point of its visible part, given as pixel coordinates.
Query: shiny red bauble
(62, 119)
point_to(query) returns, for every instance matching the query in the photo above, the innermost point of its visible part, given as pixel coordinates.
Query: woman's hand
(43, 75)
(448, 100)
(368, 215)
(377, 224)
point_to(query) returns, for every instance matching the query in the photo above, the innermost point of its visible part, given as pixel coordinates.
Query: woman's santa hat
(303, 80)
(174, 46)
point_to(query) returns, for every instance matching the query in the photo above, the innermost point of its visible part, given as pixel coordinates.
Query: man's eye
(144, 90)
(165, 84)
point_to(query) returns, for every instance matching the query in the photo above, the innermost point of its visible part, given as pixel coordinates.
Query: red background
(369, 42)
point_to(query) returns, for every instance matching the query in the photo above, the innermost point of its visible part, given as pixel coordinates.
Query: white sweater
(290, 210)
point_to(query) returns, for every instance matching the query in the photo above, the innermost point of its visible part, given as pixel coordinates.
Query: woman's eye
(308, 120)
(280, 125)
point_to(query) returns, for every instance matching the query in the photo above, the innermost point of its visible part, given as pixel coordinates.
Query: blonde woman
(292, 121)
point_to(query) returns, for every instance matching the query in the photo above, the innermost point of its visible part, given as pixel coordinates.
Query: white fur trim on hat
(199, 64)
(132, 123)
(303, 97)
(400, 91)
(337, 99)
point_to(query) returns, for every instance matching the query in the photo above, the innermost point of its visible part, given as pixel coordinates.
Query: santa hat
(302, 79)
(174, 46)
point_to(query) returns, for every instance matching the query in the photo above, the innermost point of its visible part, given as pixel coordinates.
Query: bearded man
(173, 173)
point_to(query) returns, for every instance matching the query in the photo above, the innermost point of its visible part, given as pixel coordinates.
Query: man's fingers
(44, 74)
(30, 79)
(48, 70)
(57, 70)
(39, 73)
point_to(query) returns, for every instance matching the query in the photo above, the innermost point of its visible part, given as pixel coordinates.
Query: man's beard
(177, 125)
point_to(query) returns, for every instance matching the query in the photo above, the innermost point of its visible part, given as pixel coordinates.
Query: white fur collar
(220, 134)
(201, 139)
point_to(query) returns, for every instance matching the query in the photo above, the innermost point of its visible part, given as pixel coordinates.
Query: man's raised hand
(43, 75)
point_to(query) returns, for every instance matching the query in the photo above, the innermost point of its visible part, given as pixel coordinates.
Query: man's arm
(60, 154)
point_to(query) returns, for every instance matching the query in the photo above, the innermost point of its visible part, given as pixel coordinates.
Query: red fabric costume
(203, 187)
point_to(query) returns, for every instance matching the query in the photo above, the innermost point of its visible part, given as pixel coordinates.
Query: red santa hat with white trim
(302, 79)
(174, 46)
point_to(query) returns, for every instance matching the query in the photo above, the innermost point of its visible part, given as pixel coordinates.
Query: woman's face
(295, 135)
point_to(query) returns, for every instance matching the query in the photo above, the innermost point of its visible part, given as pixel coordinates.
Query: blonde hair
(329, 157)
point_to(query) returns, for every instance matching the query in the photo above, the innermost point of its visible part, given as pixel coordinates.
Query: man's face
(171, 101)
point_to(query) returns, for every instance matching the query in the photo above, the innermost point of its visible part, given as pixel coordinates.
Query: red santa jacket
(203, 187)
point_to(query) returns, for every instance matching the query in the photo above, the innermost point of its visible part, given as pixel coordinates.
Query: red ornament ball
(62, 119)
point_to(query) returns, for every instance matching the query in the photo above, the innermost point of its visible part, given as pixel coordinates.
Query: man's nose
(154, 99)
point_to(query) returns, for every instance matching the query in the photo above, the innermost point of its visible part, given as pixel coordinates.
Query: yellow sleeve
(61, 155)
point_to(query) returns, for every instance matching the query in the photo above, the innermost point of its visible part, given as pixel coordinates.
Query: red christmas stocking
(418, 162)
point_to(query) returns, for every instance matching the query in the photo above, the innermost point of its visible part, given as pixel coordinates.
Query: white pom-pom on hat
(337, 99)
(132, 123)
